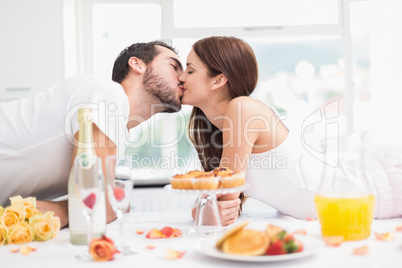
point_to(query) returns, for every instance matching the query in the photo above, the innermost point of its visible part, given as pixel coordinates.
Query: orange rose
(1, 210)
(29, 204)
(3, 234)
(46, 226)
(21, 233)
(102, 249)
(13, 215)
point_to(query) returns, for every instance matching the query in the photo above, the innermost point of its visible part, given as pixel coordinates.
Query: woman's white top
(288, 177)
(274, 179)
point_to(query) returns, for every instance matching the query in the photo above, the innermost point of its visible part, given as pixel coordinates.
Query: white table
(58, 253)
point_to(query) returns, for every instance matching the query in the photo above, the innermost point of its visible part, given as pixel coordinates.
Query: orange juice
(350, 217)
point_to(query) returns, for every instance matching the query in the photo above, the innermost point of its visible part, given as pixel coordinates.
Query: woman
(231, 130)
(226, 126)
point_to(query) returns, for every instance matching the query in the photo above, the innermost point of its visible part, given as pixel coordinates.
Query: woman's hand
(229, 211)
(228, 205)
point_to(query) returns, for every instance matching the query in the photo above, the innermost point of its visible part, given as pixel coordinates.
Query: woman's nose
(181, 77)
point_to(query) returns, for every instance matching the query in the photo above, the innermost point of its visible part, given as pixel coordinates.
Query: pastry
(194, 172)
(182, 181)
(232, 180)
(221, 171)
(205, 181)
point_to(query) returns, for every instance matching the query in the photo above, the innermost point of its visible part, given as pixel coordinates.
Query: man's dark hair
(144, 51)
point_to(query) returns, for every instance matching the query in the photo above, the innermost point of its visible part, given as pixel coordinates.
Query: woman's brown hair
(235, 59)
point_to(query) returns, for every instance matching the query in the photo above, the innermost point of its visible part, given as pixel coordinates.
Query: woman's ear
(219, 81)
(136, 65)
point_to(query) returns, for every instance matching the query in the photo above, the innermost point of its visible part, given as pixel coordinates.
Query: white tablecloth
(59, 252)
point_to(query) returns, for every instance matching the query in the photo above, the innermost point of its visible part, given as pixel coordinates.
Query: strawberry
(90, 200)
(282, 243)
(118, 194)
(281, 235)
(277, 248)
(272, 231)
(290, 246)
(299, 246)
(288, 238)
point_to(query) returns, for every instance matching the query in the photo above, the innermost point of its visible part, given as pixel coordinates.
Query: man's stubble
(157, 86)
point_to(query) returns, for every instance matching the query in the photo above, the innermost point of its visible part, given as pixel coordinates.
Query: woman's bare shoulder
(249, 106)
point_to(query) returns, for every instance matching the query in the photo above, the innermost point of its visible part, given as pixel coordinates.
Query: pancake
(247, 242)
(232, 231)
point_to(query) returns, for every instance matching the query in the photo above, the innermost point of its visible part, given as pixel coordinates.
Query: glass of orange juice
(344, 202)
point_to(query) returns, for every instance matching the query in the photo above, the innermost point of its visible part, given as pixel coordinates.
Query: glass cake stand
(207, 221)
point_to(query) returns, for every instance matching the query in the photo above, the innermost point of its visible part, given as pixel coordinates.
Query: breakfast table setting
(344, 233)
(187, 249)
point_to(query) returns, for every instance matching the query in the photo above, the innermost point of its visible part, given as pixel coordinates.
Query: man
(38, 134)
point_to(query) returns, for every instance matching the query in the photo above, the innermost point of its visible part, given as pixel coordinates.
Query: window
(361, 26)
(305, 56)
(116, 26)
(235, 13)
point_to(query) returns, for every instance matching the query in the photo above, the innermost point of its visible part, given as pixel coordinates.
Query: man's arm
(60, 209)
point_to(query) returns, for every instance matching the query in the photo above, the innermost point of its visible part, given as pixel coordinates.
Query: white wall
(386, 67)
(31, 46)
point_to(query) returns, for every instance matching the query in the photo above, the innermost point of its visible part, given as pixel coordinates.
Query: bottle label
(78, 223)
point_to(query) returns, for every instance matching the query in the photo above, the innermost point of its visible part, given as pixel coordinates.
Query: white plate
(310, 246)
